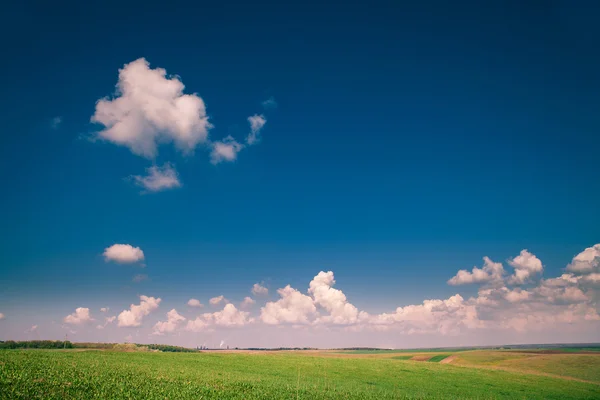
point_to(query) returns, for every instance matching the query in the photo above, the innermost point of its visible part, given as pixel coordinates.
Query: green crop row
(48, 374)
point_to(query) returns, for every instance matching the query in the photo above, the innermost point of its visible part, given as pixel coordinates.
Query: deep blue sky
(409, 141)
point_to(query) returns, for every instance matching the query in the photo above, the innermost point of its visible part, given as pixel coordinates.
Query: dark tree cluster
(168, 348)
(36, 344)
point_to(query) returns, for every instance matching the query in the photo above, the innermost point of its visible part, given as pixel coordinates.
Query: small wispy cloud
(225, 150)
(158, 178)
(139, 278)
(257, 122)
(219, 299)
(55, 122)
(32, 329)
(269, 104)
(107, 321)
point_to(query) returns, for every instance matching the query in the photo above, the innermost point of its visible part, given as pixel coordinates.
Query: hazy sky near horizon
(301, 173)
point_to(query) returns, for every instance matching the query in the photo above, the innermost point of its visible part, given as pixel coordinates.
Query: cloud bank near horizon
(518, 301)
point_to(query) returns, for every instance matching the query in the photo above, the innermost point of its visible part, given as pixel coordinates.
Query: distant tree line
(58, 344)
(92, 345)
(36, 344)
(168, 348)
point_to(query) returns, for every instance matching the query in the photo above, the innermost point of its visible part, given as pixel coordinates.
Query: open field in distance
(476, 374)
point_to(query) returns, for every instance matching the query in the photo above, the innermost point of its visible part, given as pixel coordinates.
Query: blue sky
(407, 142)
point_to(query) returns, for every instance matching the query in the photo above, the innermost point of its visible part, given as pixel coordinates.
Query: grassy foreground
(55, 374)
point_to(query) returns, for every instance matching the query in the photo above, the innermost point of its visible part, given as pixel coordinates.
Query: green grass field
(385, 351)
(438, 358)
(76, 374)
(402, 357)
(566, 365)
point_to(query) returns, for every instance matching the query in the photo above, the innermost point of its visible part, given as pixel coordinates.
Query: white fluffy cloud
(174, 319)
(80, 316)
(333, 300)
(248, 301)
(104, 309)
(502, 303)
(194, 303)
(150, 108)
(135, 314)
(563, 280)
(258, 289)
(158, 178)
(123, 254)
(443, 316)
(257, 122)
(517, 295)
(526, 265)
(216, 300)
(293, 308)
(587, 261)
(230, 316)
(197, 325)
(225, 150)
(591, 279)
(296, 308)
(560, 290)
(564, 299)
(491, 271)
(2, 316)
